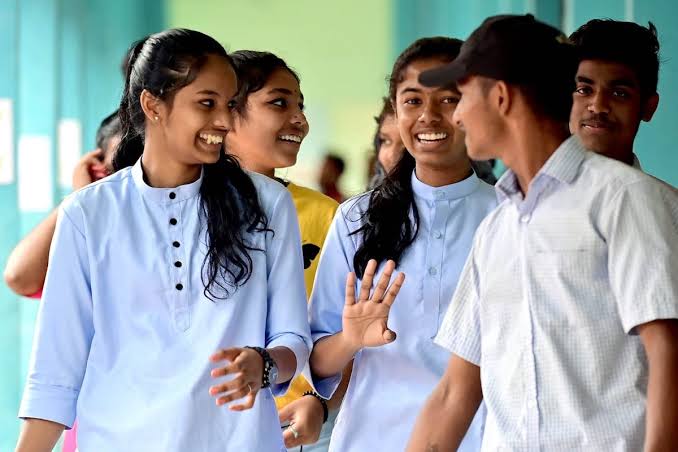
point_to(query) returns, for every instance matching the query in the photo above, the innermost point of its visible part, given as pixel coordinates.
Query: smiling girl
(155, 268)
(422, 218)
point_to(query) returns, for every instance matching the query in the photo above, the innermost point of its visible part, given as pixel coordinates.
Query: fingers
(233, 368)
(350, 289)
(382, 285)
(389, 336)
(233, 390)
(95, 153)
(286, 413)
(394, 289)
(237, 384)
(368, 277)
(229, 354)
(91, 158)
(249, 402)
(291, 437)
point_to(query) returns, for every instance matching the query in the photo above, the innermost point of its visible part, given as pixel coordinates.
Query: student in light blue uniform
(161, 275)
(423, 217)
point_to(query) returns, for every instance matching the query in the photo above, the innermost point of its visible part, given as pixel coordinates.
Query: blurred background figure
(27, 264)
(388, 146)
(330, 174)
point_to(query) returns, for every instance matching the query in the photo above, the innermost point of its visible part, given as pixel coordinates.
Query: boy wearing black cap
(564, 317)
(616, 85)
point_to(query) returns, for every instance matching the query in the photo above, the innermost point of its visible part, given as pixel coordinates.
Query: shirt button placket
(176, 265)
(531, 390)
(434, 262)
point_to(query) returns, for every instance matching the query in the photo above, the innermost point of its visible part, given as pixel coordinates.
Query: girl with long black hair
(178, 256)
(422, 219)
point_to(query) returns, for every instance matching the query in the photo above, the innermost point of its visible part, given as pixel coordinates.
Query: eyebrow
(625, 82)
(410, 90)
(437, 89)
(209, 92)
(285, 91)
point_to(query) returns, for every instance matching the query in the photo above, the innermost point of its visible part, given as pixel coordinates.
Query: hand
(305, 417)
(89, 169)
(247, 368)
(365, 320)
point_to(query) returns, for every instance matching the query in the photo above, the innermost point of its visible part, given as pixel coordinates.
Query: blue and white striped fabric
(550, 296)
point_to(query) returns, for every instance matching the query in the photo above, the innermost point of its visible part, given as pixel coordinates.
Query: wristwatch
(270, 374)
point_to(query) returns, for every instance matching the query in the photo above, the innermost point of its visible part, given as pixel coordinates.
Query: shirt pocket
(569, 285)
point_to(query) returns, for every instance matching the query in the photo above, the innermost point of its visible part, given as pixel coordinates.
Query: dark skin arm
(660, 339)
(38, 435)
(27, 265)
(449, 410)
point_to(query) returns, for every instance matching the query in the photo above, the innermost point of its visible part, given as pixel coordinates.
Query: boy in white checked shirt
(564, 319)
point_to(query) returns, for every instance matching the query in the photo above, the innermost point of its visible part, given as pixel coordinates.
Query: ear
(650, 107)
(501, 97)
(151, 105)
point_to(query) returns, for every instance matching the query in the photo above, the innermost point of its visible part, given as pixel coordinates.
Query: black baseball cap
(514, 48)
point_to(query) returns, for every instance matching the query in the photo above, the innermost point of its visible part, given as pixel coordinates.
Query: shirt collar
(164, 195)
(446, 192)
(563, 166)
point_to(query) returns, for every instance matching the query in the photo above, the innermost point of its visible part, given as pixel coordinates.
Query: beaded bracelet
(323, 402)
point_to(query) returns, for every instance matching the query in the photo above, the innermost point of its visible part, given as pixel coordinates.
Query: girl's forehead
(214, 75)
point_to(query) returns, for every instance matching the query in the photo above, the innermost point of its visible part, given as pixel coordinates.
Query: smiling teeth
(295, 138)
(212, 139)
(431, 136)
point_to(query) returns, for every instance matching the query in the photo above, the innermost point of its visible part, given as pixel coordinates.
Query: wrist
(350, 348)
(270, 368)
(322, 401)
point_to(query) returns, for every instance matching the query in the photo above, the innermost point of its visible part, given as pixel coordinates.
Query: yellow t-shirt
(315, 212)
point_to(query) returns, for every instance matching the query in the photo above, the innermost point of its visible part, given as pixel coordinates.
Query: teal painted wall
(9, 224)
(59, 61)
(458, 18)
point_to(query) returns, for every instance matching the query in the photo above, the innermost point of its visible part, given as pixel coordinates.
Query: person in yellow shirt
(269, 126)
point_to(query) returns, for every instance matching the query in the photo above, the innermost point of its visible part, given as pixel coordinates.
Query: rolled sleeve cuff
(464, 349)
(666, 311)
(301, 349)
(323, 386)
(50, 403)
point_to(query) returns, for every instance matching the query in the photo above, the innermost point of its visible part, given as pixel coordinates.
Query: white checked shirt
(548, 302)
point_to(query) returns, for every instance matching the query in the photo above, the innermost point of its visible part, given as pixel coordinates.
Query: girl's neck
(161, 171)
(439, 176)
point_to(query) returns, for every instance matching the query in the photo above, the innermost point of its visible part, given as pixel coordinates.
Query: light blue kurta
(125, 332)
(390, 384)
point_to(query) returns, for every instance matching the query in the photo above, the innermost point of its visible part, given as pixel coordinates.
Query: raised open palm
(365, 320)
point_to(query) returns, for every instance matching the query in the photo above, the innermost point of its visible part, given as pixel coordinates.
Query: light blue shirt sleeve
(64, 323)
(328, 296)
(287, 317)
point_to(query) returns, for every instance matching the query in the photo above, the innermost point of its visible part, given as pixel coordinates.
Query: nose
(223, 119)
(430, 113)
(456, 119)
(599, 103)
(299, 120)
